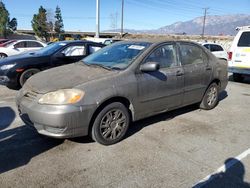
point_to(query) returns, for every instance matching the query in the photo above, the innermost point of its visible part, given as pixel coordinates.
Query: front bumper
(58, 121)
(239, 70)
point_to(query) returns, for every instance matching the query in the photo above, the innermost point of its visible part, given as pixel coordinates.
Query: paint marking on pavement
(2, 102)
(223, 168)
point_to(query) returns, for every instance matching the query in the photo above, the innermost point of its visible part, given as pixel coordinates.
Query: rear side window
(215, 48)
(93, 49)
(244, 40)
(33, 44)
(191, 54)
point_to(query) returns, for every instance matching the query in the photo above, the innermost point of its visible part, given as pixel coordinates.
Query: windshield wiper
(97, 65)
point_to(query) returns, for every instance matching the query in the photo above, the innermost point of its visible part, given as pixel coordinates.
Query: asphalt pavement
(188, 147)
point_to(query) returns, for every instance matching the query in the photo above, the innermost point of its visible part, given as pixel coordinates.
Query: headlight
(5, 67)
(63, 96)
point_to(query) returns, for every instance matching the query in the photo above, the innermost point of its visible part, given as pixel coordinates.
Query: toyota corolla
(127, 81)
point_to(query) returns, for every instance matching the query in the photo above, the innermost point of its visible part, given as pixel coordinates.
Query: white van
(239, 55)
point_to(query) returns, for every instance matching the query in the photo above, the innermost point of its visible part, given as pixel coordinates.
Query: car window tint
(74, 51)
(244, 40)
(93, 49)
(20, 45)
(33, 44)
(190, 54)
(215, 48)
(207, 46)
(164, 55)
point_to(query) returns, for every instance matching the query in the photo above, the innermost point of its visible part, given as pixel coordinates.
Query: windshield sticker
(136, 47)
(62, 44)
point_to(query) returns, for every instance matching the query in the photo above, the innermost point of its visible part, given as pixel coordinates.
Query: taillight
(230, 54)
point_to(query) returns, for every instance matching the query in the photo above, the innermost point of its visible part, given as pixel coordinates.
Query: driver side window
(164, 55)
(74, 51)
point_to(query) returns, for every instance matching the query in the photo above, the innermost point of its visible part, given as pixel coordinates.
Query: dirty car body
(132, 80)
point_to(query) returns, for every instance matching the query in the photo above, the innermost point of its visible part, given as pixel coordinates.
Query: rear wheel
(2, 55)
(26, 75)
(210, 98)
(238, 77)
(111, 124)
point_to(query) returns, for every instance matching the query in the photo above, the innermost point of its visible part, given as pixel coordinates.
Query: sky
(79, 15)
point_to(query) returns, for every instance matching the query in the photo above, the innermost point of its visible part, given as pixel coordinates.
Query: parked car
(20, 46)
(217, 50)
(239, 55)
(120, 83)
(3, 44)
(15, 70)
(106, 41)
(3, 40)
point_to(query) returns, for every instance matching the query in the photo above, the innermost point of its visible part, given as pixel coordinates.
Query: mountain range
(215, 25)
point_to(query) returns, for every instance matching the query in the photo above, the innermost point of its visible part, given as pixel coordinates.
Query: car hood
(65, 77)
(19, 58)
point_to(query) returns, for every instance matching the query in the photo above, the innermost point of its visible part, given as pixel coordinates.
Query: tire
(210, 98)
(111, 124)
(238, 77)
(3, 55)
(26, 75)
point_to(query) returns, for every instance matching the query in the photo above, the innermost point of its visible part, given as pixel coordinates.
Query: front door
(71, 53)
(163, 89)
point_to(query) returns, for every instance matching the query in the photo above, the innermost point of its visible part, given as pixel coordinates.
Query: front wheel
(111, 124)
(210, 98)
(26, 75)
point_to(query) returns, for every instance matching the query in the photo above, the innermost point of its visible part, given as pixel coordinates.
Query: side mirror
(150, 67)
(60, 55)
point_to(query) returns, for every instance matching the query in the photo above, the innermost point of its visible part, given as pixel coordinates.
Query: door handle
(179, 73)
(208, 68)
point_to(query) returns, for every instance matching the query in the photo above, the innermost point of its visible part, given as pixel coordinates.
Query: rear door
(163, 89)
(197, 72)
(241, 55)
(33, 45)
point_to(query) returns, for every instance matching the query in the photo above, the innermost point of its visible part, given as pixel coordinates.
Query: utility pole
(122, 17)
(204, 21)
(97, 18)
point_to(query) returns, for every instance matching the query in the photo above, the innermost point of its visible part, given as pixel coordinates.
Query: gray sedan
(127, 81)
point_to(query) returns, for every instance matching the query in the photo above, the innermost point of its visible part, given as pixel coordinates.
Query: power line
(204, 21)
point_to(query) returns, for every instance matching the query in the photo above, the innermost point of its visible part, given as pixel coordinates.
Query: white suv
(239, 55)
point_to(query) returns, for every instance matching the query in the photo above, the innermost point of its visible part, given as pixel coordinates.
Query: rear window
(244, 40)
(215, 48)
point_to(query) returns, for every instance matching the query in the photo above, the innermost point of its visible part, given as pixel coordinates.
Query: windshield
(117, 56)
(50, 49)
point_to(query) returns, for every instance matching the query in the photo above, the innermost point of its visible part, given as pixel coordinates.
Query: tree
(39, 23)
(13, 24)
(58, 27)
(4, 18)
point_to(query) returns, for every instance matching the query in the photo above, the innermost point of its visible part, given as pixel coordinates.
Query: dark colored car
(120, 83)
(15, 70)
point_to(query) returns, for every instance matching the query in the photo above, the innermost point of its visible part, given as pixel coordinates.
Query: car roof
(210, 43)
(77, 41)
(157, 41)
